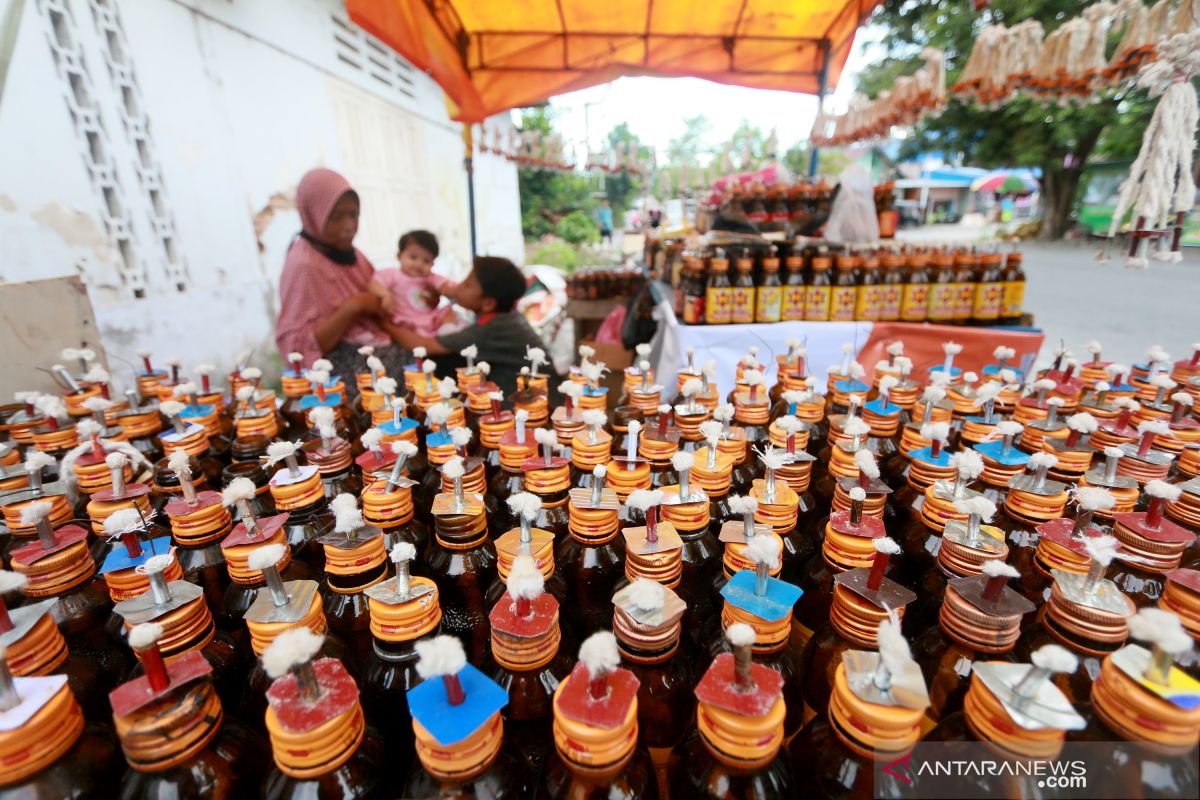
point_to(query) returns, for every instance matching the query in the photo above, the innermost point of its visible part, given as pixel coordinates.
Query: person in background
(411, 294)
(326, 309)
(501, 333)
(604, 217)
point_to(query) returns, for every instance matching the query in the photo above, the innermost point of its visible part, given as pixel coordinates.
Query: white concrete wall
(239, 98)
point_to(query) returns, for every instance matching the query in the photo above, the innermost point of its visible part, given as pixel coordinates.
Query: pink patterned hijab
(313, 285)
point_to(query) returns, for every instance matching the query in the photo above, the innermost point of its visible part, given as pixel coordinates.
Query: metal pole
(469, 166)
(814, 151)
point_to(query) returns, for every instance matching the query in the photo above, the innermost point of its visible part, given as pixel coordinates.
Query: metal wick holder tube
(960, 484)
(1095, 575)
(761, 574)
(769, 486)
(397, 412)
(1006, 448)
(593, 434)
(1110, 467)
(274, 581)
(306, 680)
(1039, 477)
(118, 481)
(135, 399)
(685, 484)
(748, 525)
(1159, 670)
(883, 677)
(459, 500)
(927, 412)
(645, 380)
(973, 530)
(1027, 688)
(743, 680)
(598, 488)
(9, 698)
(61, 372)
(159, 590)
(403, 579)
(526, 539)
(397, 469)
(856, 512)
(631, 450)
(248, 518)
(293, 466)
(46, 533)
(188, 488)
(35, 481)
(177, 422)
(989, 411)
(712, 455)
(1083, 521)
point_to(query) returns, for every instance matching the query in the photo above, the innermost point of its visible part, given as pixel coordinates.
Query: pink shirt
(416, 299)
(310, 289)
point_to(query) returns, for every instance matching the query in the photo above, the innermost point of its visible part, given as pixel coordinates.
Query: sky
(656, 107)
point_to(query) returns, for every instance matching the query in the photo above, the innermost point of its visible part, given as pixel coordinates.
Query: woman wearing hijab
(325, 308)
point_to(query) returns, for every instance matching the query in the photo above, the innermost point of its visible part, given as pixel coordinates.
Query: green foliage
(546, 196)
(555, 254)
(690, 147)
(1020, 132)
(577, 227)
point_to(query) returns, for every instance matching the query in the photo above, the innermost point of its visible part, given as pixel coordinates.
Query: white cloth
(727, 343)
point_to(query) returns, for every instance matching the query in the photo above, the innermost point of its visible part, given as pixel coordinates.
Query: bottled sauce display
(698, 590)
(786, 281)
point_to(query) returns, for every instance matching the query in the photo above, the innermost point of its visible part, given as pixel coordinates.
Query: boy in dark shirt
(501, 334)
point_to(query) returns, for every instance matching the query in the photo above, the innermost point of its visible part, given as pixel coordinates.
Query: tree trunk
(1060, 183)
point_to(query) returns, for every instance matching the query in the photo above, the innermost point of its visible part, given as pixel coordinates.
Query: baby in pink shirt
(412, 293)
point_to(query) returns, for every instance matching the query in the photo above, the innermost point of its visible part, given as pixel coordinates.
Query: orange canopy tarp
(493, 55)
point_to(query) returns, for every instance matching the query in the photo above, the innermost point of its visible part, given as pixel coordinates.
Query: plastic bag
(853, 217)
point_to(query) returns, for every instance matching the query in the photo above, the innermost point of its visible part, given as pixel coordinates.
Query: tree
(1021, 131)
(691, 147)
(547, 195)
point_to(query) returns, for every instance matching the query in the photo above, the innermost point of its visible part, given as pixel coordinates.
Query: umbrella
(1004, 182)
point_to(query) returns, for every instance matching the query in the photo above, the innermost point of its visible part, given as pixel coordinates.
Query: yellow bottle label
(987, 301)
(718, 305)
(793, 303)
(768, 306)
(914, 302)
(870, 302)
(843, 302)
(743, 305)
(942, 300)
(889, 302)
(1014, 299)
(816, 305)
(965, 300)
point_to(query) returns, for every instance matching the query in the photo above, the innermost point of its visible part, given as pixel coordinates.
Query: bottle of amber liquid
(1031, 500)
(405, 612)
(528, 662)
(387, 503)
(462, 562)
(1151, 545)
(548, 477)
(979, 619)
(818, 294)
(914, 301)
(1087, 614)
(768, 301)
(862, 598)
(592, 558)
(320, 741)
(892, 285)
(176, 738)
(870, 290)
(965, 277)
(52, 752)
(1019, 714)
(298, 491)
(794, 291)
(459, 731)
(743, 293)
(843, 302)
(199, 521)
(517, 446)
(356, 558)
(1131, 706)
(943, 290)
(989, 291)
(688, 509)
(283, 606)
(733, 751)
(765, 604)
(596, 730)
(56, 564)
(186, 626)
(648, 621)
(331, 454)
(865, 723)
(248, 535)
(693, 291)
(1060, 544)
(527, 539)
(1013, 281)
(718, 292)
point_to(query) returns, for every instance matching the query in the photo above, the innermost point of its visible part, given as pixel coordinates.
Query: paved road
(1074, 298)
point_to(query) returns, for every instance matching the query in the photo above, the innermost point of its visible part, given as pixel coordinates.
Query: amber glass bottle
(718, 292)
(989, 291)
(592, 558)
(943, 290)
(794, 292)
(965, 276)
(768, 302)
(869, 306)
(914, 301)
(1013, 280)
(818, 295)
(843, 296)
(462, 562)
(743, 294)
